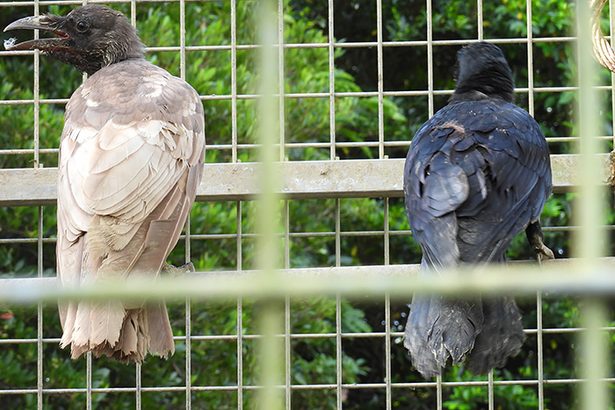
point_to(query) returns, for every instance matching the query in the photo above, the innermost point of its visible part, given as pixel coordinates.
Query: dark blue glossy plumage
(477, 173)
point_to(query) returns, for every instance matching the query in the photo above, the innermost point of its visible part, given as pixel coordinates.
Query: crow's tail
(487, 333)
(439, 328)
(502, 335)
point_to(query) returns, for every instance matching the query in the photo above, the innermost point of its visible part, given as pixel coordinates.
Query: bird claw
(178, 270)
(535, 238)
(189, 267)
(543, 253)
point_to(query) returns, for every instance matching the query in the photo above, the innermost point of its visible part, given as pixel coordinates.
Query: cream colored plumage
(131, 159)
(130, 162)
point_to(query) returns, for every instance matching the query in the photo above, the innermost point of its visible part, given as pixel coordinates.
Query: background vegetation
(307, 120)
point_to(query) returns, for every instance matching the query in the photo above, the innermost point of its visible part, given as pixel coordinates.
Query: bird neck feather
(492, 83)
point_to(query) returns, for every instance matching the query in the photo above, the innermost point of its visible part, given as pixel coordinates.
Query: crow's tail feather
(440, 328)
(502, 335)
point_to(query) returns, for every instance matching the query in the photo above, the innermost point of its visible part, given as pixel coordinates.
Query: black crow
(131, 158)
(476, 174)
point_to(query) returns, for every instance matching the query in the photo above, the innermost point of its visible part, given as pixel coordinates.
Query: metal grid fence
(243, 237)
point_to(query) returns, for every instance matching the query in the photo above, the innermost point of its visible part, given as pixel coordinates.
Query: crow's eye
(82, 26)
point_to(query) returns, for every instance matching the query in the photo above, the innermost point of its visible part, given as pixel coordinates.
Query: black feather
(477, 173)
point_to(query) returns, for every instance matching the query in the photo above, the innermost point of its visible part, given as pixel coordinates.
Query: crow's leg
(535, 238)
(178, 270)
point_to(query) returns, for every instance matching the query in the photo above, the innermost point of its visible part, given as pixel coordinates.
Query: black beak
(49, 23)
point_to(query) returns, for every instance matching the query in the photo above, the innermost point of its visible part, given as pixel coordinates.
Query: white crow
(131, 159)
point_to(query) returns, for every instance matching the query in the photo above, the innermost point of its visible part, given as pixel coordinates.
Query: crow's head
(482, 67)
(89, 37)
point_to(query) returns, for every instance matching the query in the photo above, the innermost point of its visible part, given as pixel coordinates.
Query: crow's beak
(49, 23)
(32, 22)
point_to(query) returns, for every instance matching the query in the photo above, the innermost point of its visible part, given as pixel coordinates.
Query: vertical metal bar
(380, 80)
(36, 95)
(88, 381)
(282, 154)
(439, 392)
(338, 229)
(37, 164)
(490, 390)
(287, 329)
(234, 80)
(479, 18)
(182, 39)
(239, 315)
(430, 104)
(88, 360)
(239, 243)
(539, 348)
(138, 405)
(281, 80)
(133, 13)
(339, 353)
(387, 235)
(387, 312)
(188, 325)
(268, 251)
(480, 34)
(286, 234)
(39, 324)
(387, 349)
(589, 240)
(88, 366)
(234, 158)
(239, 229)
(530, 58)
(138, 386)
(84, 76)
(595, 356)
(287, 355)
(238, 208)
(39, 251)
(331, 81)
(268, 203)
(530, 98)
(429, 58)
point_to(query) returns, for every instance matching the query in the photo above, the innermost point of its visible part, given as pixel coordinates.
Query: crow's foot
(178, 270)
(535, 238)
(543, 253)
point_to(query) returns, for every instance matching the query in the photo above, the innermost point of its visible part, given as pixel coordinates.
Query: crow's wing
(131, 160)
(477, 173)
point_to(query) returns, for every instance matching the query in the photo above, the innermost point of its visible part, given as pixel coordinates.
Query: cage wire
(389, 280)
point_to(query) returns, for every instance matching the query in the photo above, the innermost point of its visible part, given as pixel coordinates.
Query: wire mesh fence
(317, 229)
